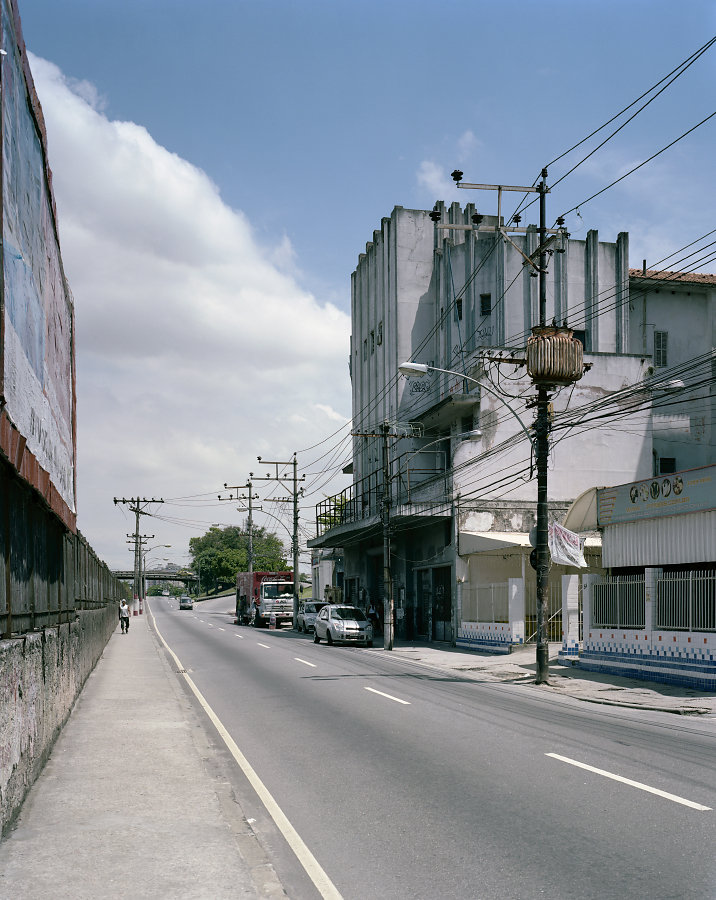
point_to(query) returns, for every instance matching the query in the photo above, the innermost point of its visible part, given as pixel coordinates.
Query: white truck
(264, 598)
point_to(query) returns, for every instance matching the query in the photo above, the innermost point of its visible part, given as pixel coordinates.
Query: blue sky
(299, 125)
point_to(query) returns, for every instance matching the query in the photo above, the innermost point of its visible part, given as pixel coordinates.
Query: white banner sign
(565, 547)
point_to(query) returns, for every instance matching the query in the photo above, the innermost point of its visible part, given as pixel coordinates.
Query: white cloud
(467, 144)
(332, 414)
(436, 181)
(195, 346)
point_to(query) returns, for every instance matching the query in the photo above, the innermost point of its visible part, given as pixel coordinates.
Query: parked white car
(307, 613)
(339, 624)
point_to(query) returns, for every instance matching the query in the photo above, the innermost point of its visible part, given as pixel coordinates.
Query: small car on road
(307, 613)
(340, 624)
(186, 603)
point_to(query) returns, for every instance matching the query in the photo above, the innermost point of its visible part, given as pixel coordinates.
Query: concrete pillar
(516, 607)
(587, 585)
(570, 617)
(650, 578)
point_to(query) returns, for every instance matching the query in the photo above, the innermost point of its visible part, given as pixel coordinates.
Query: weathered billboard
(690, 491)
(37, 376)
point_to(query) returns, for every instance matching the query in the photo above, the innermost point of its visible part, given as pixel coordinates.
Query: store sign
(664, 495)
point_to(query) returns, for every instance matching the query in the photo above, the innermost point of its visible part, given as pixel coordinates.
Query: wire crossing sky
(218, 167)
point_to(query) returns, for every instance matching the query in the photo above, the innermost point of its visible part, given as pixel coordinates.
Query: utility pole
(296, 494)
(563, 365)
(542, 429)
(250, 525)
(137, 506)
(389, 611)
(139, 541)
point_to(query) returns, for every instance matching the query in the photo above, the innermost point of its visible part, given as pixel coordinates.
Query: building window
(372, 342)
(660, 344)
(581, 336)
(667, 465)
(380, 333)
(365, 349)
(485, 304)
(458, 310)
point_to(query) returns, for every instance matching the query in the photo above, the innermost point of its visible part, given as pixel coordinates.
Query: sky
(219, 166)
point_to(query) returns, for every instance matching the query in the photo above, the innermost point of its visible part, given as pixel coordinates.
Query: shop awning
(486, 541)
(582, 514)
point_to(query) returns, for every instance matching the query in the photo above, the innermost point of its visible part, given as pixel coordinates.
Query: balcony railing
(411, 476)
(359, 501)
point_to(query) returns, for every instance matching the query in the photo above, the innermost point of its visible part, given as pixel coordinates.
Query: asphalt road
(410, 783)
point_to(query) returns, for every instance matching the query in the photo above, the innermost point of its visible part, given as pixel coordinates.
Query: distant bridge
(158, 575)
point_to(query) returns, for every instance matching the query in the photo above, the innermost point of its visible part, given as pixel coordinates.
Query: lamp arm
(484, 387)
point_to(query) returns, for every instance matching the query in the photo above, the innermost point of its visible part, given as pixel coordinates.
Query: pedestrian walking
(124, 616)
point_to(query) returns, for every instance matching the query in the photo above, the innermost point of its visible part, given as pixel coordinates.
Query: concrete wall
(41, 676)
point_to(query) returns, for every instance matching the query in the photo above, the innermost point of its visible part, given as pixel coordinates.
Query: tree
(222, 552)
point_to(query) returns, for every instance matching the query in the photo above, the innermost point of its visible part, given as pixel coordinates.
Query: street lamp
(420, 369)
(143, 573)
(554, 357)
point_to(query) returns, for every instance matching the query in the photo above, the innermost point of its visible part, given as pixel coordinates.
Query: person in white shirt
(124, 616)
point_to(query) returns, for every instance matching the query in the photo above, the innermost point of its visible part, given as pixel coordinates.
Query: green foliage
(222, 552)
(333, 511)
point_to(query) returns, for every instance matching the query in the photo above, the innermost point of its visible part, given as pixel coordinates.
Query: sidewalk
(132, 803)
(519, 668)
(128, 805)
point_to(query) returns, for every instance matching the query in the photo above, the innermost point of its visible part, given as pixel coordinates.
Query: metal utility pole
(389, 611)
(296, 494)
(137, 506)
(542, 429)
(563, 365)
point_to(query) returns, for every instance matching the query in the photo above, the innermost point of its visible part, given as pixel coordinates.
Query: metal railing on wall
(47, 574)
(619, 601)
(686, 601)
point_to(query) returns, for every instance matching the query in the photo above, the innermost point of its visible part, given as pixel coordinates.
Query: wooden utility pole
(296, 493)
(137, 505)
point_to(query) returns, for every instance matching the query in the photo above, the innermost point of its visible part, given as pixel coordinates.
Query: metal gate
(434, 610)
(553, 627)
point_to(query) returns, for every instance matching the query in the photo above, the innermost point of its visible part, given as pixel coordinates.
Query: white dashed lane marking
(389, 696)
(635, 784)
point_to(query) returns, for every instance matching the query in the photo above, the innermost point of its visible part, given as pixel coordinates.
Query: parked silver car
(339, 624)
(307, 613)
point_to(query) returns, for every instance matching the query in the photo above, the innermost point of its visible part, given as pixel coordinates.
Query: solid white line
(636, 784)
(305, 662)
(315, 872)
(267, 646)
(397, 700)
